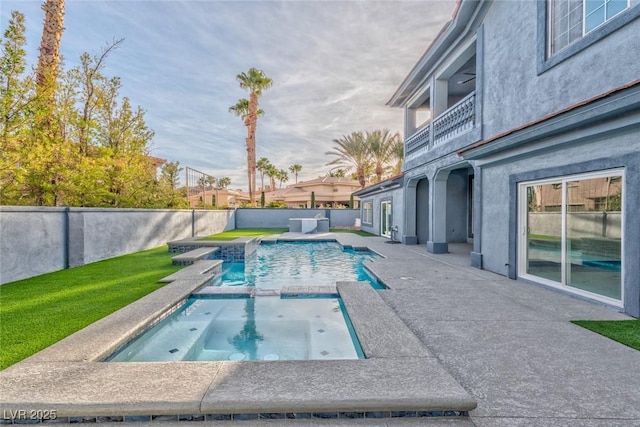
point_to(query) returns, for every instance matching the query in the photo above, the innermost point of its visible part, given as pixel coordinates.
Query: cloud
(334, 65)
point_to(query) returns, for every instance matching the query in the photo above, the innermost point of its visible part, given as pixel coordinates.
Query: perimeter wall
(39, 240)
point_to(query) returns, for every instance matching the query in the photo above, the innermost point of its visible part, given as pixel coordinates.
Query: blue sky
(334, 65)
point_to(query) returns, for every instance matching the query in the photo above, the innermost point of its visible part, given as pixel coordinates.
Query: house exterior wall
(516, 92)
(538, 117)
(397, 211)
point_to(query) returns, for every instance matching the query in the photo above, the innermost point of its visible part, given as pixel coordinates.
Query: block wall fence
(39, 240)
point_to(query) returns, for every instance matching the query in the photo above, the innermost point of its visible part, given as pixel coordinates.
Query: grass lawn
(626, 332)
(239, 232)
(39, 311)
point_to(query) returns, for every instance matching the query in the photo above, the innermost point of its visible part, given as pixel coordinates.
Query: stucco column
(409, 236)
(437, 243)
(476, 254)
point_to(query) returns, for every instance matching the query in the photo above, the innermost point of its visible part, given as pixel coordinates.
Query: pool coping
(399, 374)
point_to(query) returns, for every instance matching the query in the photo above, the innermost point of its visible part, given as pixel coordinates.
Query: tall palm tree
(295, 169)
(241, 109)
(256, 82)
(352, 152)
(49, 58)
(382, 146)
(262, 166)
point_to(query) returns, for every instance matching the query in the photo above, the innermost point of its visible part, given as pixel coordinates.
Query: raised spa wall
(229, 251)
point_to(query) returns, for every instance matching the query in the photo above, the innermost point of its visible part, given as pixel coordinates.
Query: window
(367, 213)
(570, 20)
(598, 12)
(571, 234)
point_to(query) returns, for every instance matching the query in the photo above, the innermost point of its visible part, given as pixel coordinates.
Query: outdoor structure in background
(327, 192)
(205, 191)
(516, 144)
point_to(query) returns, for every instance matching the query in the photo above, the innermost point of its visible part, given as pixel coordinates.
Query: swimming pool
(276, 265)
(257, 322)
(262, 328)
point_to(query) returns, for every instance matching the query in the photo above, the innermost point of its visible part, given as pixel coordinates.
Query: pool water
(263, 328)
(298, 264)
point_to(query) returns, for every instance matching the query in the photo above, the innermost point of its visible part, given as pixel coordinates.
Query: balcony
(455, 121)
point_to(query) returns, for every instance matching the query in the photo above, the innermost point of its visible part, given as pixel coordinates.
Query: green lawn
(626, 332)
(238, 232)
(37, 312)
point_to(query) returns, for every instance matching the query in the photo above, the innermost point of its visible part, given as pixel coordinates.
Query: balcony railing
(418, 141)
(458, 119)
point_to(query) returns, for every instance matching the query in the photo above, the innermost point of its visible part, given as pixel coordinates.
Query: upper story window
(570, 20)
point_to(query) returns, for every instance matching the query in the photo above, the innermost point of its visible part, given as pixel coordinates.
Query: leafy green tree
(16, 94)
(224, 182)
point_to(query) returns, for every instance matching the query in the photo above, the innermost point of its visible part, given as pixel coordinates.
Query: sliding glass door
(570, 233)
(385, 218)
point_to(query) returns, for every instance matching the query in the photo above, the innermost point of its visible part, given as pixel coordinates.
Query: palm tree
(255, 81)
(398, 151)
(283, 176)
(382, 146)
(295, 169)
(49, 58)
(241, 109)
(262, 166)
(351, 152)
(272, 173)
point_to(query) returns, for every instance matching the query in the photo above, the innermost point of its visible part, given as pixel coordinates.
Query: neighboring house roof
(385, 185)
(542, 119)
(463, 14)
(327, 180)
(157, 161)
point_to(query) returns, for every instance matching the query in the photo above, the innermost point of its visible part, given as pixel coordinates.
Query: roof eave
(462, 15)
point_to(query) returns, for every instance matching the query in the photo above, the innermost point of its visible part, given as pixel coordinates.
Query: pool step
(308, 291)
(195, 270)
(194, 255)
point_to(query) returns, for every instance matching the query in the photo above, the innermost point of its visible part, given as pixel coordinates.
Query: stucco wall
(397, 211)
(31, 242)
(279, 218)
(513, 91)
(35, 241)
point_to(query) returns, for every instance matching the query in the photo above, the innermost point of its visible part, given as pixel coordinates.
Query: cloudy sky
(334, 65)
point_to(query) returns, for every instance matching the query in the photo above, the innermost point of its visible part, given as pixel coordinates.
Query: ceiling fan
(473, 76)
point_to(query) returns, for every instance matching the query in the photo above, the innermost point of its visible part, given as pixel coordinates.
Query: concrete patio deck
(507, 345)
